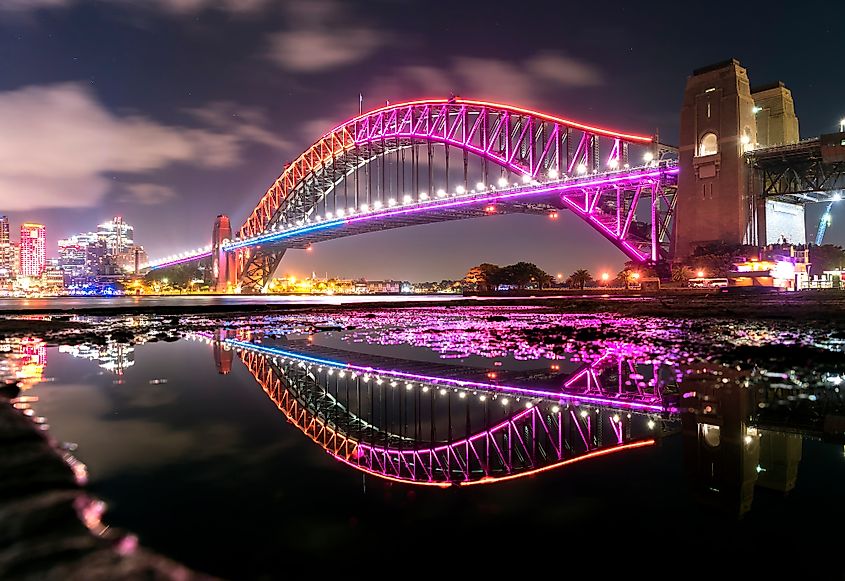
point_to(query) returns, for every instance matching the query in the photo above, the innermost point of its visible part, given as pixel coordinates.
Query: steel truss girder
(522, 141)
(531, 440)
(802, 180)
(613, 210)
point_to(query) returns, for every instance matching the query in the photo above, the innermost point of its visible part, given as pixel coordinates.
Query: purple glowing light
(435, 204)
(181, 260)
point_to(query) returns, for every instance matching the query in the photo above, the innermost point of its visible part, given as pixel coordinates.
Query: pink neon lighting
(502, 107)
(495, 479)
(596, 453)
(181, 260)
(493, 196)
(590, 399)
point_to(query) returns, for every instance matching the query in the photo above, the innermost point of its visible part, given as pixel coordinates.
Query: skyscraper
(33, 246)
(6, 253)
(117, 234)
(78, 257)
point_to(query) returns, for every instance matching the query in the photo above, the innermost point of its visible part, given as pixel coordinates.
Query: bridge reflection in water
(432, 424)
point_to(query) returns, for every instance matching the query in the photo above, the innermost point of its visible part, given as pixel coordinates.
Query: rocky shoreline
(50, 527)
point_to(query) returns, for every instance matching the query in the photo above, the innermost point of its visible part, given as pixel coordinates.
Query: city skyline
(156, 138)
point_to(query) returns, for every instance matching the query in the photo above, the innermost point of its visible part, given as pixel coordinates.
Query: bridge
(436, 160)
(433, 424)
(740, 176)
(443, 428)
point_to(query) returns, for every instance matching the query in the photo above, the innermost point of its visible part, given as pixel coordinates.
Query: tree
(716, 259)
(682, 272)
(579, 278)
(482, 277)
(524, 274)
(826, 257)
(626, 275)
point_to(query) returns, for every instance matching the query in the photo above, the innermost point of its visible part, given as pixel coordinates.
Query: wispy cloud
(147, 194)
(321, 35)
(60, 145)
(527, 82)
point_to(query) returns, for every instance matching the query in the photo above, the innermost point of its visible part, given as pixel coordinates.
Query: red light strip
(597, 453)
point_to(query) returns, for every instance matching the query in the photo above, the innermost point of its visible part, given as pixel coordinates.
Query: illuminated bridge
(436, 160)
(741, 176)
(432, 424)
(437, 425)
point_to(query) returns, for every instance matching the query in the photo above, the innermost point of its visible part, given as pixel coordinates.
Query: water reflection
(23, 359)
(433, 424)
(114, 357)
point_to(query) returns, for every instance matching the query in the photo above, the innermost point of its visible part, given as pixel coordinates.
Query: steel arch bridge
(435, 159)
(344, 409)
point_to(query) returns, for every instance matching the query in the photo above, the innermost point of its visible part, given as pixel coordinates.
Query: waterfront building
(32, 249)
(117, 235)
(53, 275)
(6, 252)
(131, 259)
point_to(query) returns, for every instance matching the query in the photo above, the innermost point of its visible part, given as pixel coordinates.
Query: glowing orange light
(700, 273)
(636, 275)
(491, 375)
(490, 209)
(605, 277)
(553, 215)
(604, 452)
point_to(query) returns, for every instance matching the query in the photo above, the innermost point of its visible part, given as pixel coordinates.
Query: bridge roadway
(608, 201)
(812, 170)
(530, 197)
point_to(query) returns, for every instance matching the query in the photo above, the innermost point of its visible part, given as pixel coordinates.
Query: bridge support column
(256, 267)
(717, 127)
(222, 262)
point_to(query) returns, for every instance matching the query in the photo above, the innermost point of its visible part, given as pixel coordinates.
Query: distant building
(376, 287)
(33, 248)
(132, 259)
(53, 276)
(16, 259)
(6, 252)
(117, 234)
(779, 266)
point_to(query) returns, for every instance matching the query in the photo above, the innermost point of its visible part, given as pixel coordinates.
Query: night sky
(169, 112)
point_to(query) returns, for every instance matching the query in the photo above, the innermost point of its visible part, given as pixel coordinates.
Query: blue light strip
(272, 237)
(282, 353)
(507, 389)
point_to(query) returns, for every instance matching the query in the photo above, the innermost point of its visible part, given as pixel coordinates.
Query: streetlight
(842, 125)
(605, 277)
(700, 274)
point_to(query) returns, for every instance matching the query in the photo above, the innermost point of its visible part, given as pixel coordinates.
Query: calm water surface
(502, 436)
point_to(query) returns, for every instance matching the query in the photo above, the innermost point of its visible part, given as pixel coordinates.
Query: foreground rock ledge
(49, 526)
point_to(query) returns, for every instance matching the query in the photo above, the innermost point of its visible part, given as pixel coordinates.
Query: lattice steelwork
(435, 433)
(428, 153)
(799, 173)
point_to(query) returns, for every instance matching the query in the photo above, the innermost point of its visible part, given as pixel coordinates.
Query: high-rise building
(117, 234)
(33, 249)
(79, 256)
(6, 253)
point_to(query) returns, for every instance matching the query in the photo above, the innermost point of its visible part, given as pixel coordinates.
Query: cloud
(172, 6)
(528, 82)
(247, 123)
(322, 35)
(564, 70)
(60, 144)
(148, 194)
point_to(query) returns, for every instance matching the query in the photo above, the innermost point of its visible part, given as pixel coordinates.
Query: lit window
(709, 145)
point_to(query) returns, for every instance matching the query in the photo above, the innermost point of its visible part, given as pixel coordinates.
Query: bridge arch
(545, 434)
(504, 143)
